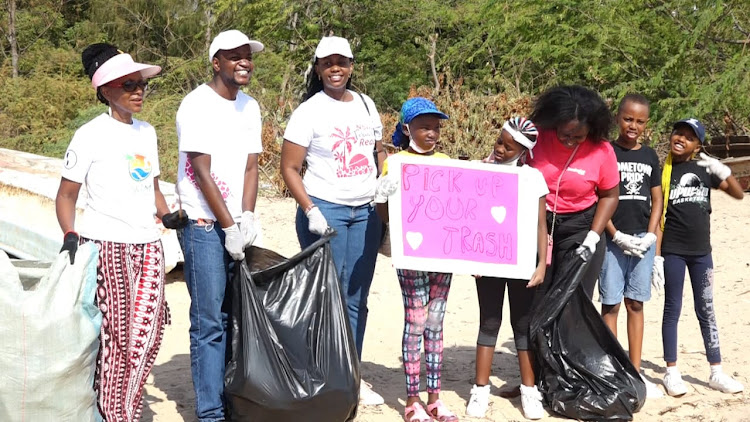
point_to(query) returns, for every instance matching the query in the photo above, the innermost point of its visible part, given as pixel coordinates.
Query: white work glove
(647, 240)
(715, 167)
(631, 245)
(588, 247)
(386, 187)
(247, 225)
(657, 276)
(234, 242)
(317, 224)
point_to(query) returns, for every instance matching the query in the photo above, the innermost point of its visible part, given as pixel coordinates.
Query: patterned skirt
(130, 295)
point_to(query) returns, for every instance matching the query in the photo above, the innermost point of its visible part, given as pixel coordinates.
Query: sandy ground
(169, 394)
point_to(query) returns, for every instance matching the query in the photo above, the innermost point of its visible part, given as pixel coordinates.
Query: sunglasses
(130, 86)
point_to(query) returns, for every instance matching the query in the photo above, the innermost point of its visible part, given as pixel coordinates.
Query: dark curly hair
(557, 106)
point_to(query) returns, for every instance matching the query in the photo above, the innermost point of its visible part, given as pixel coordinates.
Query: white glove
(317, 224)
(647, 240)
(715, 167)
(247, 225)
(386, 187)
(631, 245)
(589, 243)
(234, 242)
(657, 276)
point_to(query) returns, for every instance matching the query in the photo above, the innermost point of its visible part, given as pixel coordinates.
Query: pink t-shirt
(593, 167)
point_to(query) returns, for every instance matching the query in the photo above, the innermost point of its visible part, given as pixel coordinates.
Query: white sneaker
(674, 385)
(725, 383)
(367, 397)
(479, 401)
(652, 390)
(531, 402)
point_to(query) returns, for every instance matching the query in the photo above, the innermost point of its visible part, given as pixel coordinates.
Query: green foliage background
(689, 57)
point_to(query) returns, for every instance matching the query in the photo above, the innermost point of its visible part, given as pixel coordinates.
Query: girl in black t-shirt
(684, 241)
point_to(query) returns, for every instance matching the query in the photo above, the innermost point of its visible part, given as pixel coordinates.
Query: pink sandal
(442, 414)
(418, 413)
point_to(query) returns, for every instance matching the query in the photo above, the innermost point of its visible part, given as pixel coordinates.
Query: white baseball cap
(231, 39)
(329, 46)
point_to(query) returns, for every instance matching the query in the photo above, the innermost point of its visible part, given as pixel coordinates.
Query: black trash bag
(582, 371)
(292, 354)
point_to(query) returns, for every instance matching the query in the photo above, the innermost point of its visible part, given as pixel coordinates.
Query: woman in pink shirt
(580, 169)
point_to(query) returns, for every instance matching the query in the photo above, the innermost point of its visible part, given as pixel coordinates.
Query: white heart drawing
(498, 213)
(414, 239)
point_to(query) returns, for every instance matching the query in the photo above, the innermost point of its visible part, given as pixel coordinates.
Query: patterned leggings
(130, 294)
(425, 295)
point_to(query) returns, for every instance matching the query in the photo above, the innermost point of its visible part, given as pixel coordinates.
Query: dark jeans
(701, 269)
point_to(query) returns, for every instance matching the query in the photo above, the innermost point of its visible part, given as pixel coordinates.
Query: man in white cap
(219, 131)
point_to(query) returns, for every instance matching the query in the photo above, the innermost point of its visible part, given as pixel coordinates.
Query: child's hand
(657, 276)
(538, 277)
(631, 245)
(386, 187)
(715, 167)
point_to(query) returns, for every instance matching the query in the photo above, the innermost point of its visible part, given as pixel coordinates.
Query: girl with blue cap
(425, 293)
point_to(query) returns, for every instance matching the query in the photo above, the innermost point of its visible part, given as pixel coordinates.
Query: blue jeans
(701, 269)
(624, 275)
(354, 249)
(208, 268)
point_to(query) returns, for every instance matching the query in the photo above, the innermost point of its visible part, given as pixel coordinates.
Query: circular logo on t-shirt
(70, 159)
(139, 167)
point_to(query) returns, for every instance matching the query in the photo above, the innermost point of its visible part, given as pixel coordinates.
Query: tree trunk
(433, 49)
(208, 14)
(12, 38)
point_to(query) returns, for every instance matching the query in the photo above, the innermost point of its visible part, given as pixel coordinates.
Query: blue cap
(416, 106)
(696, 125)
(412, 108)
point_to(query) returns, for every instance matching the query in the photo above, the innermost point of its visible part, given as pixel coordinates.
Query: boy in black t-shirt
(631, 233)
(685, 242)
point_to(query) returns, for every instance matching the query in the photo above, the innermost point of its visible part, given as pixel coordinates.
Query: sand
(169, 393)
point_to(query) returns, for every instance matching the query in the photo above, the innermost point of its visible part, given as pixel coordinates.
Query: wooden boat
(734, 150)
(28, 221)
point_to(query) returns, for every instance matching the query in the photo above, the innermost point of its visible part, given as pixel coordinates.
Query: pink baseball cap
(121, 65)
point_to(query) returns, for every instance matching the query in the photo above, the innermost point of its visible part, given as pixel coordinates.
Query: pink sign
(459, 213)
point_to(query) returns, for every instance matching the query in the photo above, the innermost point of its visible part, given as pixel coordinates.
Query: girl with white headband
(516, 141)
(115, 156)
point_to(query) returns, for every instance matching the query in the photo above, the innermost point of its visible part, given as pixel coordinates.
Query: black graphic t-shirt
(687, 228)
(639, 172)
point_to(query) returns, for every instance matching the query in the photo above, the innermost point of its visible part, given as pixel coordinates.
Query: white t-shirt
(226, 130)
(533, 180)
(117, 163)
(340, 137)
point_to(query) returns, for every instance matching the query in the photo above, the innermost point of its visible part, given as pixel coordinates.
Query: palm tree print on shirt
(356, 165)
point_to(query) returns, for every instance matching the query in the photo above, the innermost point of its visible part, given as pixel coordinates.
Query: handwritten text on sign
(462, 217)
(459, 212)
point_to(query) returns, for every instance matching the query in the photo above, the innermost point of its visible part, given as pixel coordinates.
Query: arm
(292, 157)
(202, 168)
(610, 228)
(657, 207)
(65, 204)
(161, 203)
(541, 240)
(382, 155)
(731, 186)
(608, 200)
(250, 191)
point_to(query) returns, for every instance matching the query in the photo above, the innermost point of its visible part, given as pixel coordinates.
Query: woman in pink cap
(115, 156)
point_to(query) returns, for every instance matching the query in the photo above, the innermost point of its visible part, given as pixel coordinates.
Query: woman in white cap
(115, 156)
(338, 133)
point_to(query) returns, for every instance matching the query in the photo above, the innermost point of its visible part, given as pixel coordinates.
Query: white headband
(520, 138)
